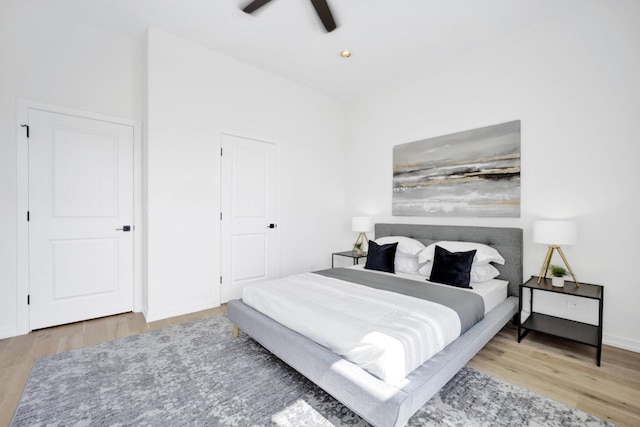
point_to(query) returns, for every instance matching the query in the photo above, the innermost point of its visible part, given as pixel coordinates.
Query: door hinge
(26, 126)
(220, 216)
(221, 280)
(221, 151)
(28, 216)
(28, 299)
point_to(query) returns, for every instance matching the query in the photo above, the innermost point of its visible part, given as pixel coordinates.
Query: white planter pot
(557, 281)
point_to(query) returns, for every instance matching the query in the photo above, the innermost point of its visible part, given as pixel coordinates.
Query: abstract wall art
(475, 173)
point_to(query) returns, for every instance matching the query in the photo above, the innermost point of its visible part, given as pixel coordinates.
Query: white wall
(47, 58)
(575, 84)
(193, 93)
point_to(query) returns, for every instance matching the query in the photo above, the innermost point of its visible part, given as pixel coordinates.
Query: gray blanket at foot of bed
(469, 306)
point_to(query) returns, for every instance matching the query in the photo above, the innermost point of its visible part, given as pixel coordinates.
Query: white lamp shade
(555, 232)
(361, 224)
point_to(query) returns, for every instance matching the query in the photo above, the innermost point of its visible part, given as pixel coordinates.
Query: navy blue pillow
(452, 268)
(381, 257)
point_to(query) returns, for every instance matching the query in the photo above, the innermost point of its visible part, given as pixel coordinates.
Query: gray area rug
(197, 374)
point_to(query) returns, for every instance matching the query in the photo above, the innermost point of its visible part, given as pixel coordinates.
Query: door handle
(124, 228)
(272, 226)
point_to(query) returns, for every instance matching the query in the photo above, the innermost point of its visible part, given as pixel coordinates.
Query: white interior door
(80, 198)
(248, 227)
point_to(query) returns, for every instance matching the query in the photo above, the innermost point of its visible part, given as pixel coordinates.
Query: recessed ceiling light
(345, 53)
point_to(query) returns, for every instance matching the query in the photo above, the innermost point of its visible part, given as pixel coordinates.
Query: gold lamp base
(547, 261)
(362, 238)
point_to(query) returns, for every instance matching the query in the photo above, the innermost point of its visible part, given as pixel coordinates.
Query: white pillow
(483, 273)
(406, 245)
(425, 269)
(478, 274)
(404, 263)
(484, 254)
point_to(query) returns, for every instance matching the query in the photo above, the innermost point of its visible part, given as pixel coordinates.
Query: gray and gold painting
(475, 173)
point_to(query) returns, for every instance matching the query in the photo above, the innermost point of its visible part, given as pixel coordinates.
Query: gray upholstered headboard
(507, 241)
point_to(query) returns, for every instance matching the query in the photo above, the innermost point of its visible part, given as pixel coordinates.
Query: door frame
(218, 165)
(22, 203)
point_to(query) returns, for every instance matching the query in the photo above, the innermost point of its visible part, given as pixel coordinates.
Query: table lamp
(554, 234)
(361, 224)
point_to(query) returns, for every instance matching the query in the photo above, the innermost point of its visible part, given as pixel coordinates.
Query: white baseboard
(621, 342)
(153, 315)
(9, 332)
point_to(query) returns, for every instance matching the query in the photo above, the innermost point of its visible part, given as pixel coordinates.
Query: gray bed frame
(380, 403)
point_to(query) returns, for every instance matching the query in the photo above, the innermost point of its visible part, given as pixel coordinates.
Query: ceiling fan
(321, 6)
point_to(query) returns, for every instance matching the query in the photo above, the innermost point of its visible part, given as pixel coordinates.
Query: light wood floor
(563, 371)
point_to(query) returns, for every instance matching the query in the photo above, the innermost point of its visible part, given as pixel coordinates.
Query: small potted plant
(558, 274)
(357, 248)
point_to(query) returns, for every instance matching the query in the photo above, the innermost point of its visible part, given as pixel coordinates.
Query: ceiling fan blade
(322, 8)
(254, 5)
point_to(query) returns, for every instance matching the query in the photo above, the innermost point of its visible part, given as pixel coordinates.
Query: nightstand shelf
(563, 328)
(580, 332)
(349, 254)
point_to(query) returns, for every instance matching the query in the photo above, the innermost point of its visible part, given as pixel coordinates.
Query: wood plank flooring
(561, 370)
(567, 372)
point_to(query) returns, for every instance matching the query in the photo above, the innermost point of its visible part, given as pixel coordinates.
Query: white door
(248, 214)
(80, 200)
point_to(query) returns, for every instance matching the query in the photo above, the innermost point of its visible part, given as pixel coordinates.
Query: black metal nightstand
(570, 329)
(349, 254)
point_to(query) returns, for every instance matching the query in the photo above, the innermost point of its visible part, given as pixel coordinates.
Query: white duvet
(387, 334)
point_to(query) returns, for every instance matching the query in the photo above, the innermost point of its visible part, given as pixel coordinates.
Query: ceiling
(390, 39)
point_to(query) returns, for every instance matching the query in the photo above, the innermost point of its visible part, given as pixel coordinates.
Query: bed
(380, 403)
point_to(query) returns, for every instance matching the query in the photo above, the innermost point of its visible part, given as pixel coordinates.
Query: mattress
(385, 333)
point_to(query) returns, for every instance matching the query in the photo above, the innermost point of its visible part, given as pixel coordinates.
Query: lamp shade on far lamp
(360, 225)
(555, 232)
